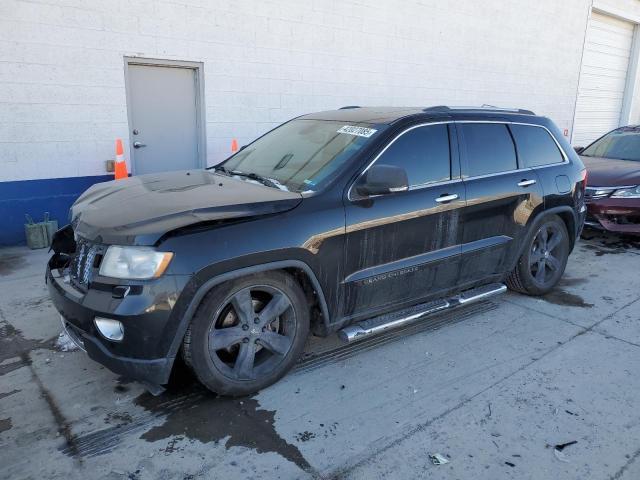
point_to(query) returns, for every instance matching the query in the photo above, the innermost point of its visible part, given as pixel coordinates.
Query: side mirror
(382, 179)
(578, 149)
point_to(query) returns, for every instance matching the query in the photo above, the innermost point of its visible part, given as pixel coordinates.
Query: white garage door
(602, 78)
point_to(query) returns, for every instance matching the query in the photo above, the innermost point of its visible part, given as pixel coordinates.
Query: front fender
(203, 282)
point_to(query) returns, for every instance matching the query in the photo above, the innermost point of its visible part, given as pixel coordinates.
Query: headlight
(631, 192)
(134, 263)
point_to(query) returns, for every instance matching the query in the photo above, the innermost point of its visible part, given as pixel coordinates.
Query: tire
(247, 333)
(542, 264)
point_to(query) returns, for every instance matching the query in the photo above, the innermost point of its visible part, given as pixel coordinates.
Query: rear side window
(489, 148)
(535, 146)
(423, 152)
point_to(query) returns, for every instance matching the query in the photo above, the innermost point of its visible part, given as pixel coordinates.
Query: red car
(613, 182)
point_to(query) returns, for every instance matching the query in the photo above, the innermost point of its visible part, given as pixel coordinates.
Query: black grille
(83, 264)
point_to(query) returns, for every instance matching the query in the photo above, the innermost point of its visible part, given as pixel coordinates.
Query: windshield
(623, 144)
(301, 154)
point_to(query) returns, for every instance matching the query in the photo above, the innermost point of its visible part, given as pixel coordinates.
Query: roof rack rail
(437, 108)
(347, 107)
(483, 108)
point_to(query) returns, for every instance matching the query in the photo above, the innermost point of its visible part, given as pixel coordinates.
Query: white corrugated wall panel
(602, 78)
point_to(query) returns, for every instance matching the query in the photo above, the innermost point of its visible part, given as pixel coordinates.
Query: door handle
(138, 145)
(446, 198)
(526, 183)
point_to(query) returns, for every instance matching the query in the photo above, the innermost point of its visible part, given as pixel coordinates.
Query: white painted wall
(62, 94)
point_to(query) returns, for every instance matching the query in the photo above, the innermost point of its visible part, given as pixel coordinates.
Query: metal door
(603, 78)
(163, 113)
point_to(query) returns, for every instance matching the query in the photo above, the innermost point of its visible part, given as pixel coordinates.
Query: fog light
(111, 329)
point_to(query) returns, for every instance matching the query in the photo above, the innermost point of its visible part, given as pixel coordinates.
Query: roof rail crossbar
(483, 108)
(347, 107)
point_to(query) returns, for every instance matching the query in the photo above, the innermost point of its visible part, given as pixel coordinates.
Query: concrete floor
(492, 387)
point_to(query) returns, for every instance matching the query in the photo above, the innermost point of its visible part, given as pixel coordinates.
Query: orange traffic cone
(121, 164)
(234, 146)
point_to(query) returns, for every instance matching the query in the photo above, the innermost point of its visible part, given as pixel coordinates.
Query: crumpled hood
(608, 172)
(139, 210)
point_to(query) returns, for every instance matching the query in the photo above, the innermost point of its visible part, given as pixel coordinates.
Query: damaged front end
(93, 308)
(63, 245)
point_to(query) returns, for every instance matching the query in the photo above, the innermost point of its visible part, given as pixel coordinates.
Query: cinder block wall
(62, 93)
(62, 89)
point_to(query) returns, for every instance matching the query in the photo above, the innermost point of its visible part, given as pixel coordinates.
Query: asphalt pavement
(513, 387)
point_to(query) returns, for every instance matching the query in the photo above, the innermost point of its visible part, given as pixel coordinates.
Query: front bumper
(145, 353)
(615, 215)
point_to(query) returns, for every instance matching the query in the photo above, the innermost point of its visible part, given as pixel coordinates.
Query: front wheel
(544, 259)
(247, 333)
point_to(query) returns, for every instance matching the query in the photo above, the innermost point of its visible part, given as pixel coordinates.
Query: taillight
(584, 180)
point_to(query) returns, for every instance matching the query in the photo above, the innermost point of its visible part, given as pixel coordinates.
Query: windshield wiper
(220, 168)
(254, 176)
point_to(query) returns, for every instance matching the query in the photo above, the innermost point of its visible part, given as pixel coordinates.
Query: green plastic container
(39, 235)
(36, 234)
(51, 227)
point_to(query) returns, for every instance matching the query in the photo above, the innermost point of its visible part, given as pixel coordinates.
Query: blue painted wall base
(53, 195)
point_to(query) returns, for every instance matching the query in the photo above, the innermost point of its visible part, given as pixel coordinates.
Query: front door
(163, 112)
(501, 196)
(404, 246)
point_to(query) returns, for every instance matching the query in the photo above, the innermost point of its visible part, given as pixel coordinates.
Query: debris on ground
(438, 459)
(64, 343)
(510, 464)
(562, 446)
(305, 436)
(560, 456)
(558, 450)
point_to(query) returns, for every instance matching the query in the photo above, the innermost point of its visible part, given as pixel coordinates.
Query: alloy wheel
(545, 258)
(252, 332)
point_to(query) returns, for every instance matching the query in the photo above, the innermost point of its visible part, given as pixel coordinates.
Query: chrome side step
(389, 321)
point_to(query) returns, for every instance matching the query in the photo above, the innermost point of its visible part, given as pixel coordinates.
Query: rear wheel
(247, 333)
(544, 260)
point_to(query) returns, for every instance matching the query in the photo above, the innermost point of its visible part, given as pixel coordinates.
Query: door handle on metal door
(446, 198)
(526, 183)
(138, 145)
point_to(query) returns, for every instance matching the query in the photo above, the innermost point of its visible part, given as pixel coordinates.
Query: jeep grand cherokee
(351, 221)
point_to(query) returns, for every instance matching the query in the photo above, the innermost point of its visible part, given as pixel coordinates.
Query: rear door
(404, 246)
(501, 196)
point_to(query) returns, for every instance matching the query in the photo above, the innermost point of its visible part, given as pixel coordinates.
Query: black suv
(355, 220)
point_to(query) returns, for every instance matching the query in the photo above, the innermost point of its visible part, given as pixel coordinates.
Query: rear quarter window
(488, 148)
(535, 146)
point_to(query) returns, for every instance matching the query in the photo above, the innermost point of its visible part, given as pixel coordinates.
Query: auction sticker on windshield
(359, 131)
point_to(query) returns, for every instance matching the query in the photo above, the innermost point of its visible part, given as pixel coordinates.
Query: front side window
(301, 154)
(535, 146)
(489, 148)
(423, 152)
(622, 144)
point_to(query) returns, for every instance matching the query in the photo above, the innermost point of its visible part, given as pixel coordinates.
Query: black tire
(541, 265)
(260, 339)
